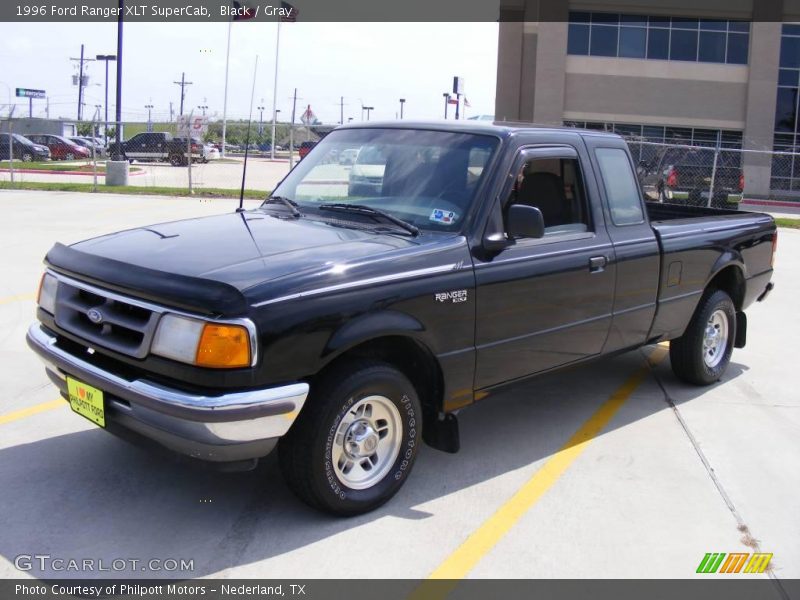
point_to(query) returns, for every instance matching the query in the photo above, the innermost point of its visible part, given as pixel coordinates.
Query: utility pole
(291, 130)
(105, 58)
(402, 102)
(183, 83)
(80, 61)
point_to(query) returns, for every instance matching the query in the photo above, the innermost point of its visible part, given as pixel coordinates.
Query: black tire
(687, 353)
(306, 451)
(176, 160)
(27, 157)
(69, 156)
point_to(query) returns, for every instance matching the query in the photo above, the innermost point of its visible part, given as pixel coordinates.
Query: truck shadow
(88, 495)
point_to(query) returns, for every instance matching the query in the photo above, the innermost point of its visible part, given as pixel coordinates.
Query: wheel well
(413, 359)
(731, 281)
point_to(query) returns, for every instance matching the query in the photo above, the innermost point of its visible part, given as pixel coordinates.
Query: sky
(371, 64)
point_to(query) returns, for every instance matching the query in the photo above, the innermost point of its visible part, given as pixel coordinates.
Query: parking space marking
(491, 531)
(17, 298)
(31, 410)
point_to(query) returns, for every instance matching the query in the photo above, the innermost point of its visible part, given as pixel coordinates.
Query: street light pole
(402, 102)
(446, 102)
(261, 110)
(106, 58)
(118, 107)
(149, 107)
(368, 108)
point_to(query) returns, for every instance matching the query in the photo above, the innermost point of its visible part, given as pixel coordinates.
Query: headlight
(202, 343)
(46, 298)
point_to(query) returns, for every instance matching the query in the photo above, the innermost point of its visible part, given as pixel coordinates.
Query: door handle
(597, 264)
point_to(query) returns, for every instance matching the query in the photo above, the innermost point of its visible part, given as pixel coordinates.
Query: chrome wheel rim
(367, 442)
(715, 339)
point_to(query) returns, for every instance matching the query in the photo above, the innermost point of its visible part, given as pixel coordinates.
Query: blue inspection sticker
(445, 217)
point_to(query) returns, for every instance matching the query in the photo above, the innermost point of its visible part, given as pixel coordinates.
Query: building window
(786, 169)
(658, 38)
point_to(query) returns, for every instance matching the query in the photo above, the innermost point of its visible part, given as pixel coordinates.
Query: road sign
(458, 86)
(26, 93)
(193, 126)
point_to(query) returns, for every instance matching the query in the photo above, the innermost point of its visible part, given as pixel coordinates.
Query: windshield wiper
(368, 210)
(290, 204)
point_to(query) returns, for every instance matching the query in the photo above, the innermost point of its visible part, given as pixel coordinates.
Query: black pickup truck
(158, 146)
(348, 329)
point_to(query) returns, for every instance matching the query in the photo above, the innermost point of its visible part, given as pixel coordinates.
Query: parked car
(198, 148)
(157, 147)
(90, 144)
(305, 148)
(23, 149)
(60, 147)
(683, 175)
(347, 332)
(210, 152)
(366, 176)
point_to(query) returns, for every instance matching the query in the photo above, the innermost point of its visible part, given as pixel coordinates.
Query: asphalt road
(614, 469)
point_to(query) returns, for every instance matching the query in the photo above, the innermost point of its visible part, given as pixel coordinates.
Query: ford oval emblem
(95, 316)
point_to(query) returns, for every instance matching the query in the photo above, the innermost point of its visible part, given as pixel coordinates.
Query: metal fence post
(11, 145)
(713, 176)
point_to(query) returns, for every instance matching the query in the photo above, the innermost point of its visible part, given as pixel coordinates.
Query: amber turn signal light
(223, 347)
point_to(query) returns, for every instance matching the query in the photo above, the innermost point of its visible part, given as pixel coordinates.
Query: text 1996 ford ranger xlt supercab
(345, 324)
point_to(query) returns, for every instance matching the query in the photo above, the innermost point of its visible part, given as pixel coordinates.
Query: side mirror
(524, 221)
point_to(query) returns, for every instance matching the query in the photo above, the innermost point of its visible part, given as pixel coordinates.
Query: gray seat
(545, 191)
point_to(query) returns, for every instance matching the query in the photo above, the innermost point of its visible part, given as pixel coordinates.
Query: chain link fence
(714, 176)
(156, 154)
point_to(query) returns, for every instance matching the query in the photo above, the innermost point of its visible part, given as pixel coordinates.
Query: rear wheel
(27, 157)
(175, 159)
(69, 156)
(355, 442)
(702, 354)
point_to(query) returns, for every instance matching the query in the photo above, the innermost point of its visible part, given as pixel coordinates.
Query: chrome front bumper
(222, 428)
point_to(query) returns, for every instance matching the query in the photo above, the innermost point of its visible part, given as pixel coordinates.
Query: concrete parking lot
(613, 469)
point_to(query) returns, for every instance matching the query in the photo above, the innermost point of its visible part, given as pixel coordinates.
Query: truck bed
(658, 211)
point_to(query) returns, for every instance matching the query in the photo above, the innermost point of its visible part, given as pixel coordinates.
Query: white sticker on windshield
(445, 217)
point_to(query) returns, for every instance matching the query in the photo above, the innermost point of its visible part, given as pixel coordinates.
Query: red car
(305, 148)
(60, 147)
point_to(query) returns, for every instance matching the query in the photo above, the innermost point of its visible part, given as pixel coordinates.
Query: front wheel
(702, 354)
(355, 442)
(176, 160)
(27, 157)
(69, 156)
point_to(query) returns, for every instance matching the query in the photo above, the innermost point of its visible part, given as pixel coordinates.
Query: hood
(244, 249)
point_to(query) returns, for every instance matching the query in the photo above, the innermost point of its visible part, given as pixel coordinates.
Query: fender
(370, 326)
(728, 258)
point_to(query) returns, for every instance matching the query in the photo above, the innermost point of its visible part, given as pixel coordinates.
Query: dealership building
(673, 72)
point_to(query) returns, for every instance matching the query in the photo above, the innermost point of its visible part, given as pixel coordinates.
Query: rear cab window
(622, 193)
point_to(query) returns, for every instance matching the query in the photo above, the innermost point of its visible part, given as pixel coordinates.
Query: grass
(60, 166)
(132, 189)
(784, 222)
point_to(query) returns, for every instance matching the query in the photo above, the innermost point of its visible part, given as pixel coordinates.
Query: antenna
(247, 140)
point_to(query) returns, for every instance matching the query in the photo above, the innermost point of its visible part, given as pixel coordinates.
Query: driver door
(546, 302)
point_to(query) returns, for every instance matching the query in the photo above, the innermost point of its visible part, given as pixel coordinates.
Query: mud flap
(442, 434)
(741, 330)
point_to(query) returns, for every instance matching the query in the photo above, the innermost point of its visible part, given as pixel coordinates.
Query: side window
(554, 186)
(137, 139)
(621, 190)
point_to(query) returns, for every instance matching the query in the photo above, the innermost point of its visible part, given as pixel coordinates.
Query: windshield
(426, 178)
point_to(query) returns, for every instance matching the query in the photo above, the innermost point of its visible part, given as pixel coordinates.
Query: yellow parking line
(477, 545)
(17, 298)
(31, 410)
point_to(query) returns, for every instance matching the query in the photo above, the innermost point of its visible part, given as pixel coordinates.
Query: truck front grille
(105, 319)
